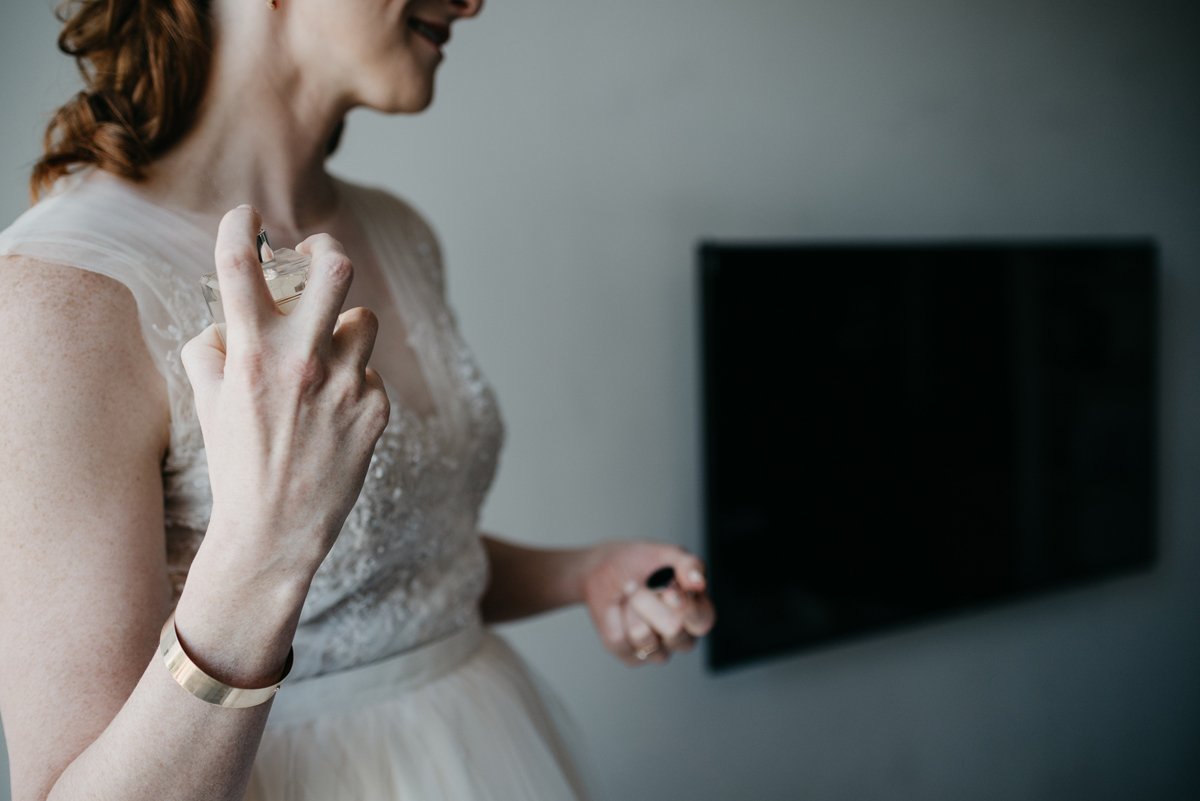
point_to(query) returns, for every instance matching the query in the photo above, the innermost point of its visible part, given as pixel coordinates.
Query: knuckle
(324, 241)
(382, 411)
(342, 387)
(363, 320)
(370, 321)
(339, 267)
(374, 410)
(253, 360)
(237, 257)
(306, 371)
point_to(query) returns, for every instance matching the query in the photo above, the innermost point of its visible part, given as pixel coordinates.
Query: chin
(402, 97)
(417, 103)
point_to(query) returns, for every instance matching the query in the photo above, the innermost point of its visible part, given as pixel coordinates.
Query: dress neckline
(204, 238)
(94, 176)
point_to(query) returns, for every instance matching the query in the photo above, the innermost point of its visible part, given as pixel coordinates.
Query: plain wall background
(576, 154)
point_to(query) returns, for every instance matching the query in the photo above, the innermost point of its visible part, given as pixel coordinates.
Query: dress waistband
(306, 699)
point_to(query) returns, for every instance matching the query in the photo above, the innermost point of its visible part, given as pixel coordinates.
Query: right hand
(290, 411)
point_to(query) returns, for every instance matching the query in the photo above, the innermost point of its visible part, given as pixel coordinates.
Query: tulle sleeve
(96, 225)
(74, 228)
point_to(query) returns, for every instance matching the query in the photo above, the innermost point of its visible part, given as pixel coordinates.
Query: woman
(297, 509)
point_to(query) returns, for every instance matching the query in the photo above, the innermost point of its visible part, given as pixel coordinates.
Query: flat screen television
(894, 432)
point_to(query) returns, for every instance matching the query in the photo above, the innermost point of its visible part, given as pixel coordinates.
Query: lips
(438, 34)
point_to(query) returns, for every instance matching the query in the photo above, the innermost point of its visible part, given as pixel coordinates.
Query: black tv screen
(897, 432)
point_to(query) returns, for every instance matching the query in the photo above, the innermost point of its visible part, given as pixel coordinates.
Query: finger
(640, 635)
(374, 380)
(611, 626)
(384, 405)
(699, 615)
(695, 611)
(666, 622)
(689, 571)
(329, 277)
(245, 298)
(354, 337)
(683, 644)
(203, 360)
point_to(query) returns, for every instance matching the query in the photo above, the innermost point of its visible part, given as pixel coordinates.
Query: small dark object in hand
(660, 579)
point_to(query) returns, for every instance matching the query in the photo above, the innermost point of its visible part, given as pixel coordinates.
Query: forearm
(164, 743)
(530, 581)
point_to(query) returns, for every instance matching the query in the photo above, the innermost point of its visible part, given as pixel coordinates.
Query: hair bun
(145, 64)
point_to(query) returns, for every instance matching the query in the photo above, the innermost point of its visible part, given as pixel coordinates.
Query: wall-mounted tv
(894, 432)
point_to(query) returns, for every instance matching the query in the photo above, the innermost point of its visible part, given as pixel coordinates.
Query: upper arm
(83, 586)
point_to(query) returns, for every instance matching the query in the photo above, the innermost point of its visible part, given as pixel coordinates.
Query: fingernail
(630, 587)
(245, 206)
(695, 577)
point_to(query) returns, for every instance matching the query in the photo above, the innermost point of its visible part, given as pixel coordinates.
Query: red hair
(145, 65)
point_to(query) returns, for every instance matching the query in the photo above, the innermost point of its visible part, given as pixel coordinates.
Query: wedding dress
(397, 691)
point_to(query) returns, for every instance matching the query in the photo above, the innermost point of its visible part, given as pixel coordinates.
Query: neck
(261, 137)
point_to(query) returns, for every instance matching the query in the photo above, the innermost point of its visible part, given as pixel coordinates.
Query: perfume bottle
(286, 272)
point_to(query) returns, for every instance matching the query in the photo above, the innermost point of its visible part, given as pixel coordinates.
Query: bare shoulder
(69, 319)
(38, 294)
(75, 358)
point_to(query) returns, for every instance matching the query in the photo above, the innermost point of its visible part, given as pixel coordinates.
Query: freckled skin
(82, 538)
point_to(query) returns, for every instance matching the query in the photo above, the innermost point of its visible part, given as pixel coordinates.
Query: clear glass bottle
(286, 272)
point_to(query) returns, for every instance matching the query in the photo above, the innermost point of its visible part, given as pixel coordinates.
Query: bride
(183, 523)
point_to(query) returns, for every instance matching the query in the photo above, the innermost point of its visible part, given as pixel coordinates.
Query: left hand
(637, 624)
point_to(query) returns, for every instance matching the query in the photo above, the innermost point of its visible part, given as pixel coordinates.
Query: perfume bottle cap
(265, 252)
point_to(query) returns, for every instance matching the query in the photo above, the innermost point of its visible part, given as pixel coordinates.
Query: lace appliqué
(408, 566)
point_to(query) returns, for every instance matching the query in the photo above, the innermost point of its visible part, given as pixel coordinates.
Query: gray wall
(575, 155)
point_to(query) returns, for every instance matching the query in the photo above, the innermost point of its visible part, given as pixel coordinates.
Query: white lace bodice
(408, 566)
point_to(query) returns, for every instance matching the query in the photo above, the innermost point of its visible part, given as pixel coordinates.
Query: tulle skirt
(457, 720)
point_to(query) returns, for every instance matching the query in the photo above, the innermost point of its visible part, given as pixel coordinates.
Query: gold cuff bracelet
(191, 678)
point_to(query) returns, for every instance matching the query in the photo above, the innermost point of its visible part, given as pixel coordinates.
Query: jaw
(408, 89)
